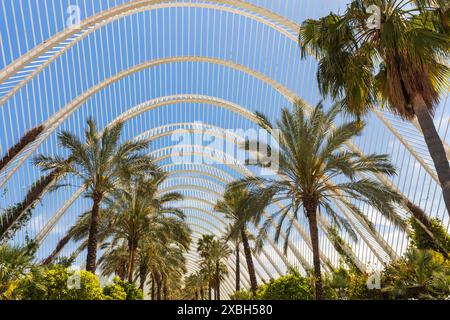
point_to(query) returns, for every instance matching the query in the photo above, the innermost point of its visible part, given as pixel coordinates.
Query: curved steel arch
(103, 18)
(322, 222)
(91, 24)
(208, 191)
(200, 210)
(53, 122)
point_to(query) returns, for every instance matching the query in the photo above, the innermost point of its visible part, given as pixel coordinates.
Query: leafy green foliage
(242, 295)
(131, 291)
(59, 283)
(289, 287)
(15, 264)
(440, 241)
(114, 291)
(349, 284)
(421, 274)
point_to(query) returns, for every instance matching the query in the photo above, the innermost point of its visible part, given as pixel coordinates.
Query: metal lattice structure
(164, 66)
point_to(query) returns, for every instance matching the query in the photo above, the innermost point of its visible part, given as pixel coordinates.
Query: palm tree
(240, 208)
(204, 246)
(80, 232)
(99, 163)
(194, 286)
(137, 209)
(401, 63)
(219, 251)
(161, 251)
(236, 241)
(310, 158)
(114, 261)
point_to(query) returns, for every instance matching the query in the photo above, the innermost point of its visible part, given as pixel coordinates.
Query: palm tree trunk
(122, 272)
(142, 276)
(153, 286)
(314, 234)
(21, 212)
(165, 290)
(132, 249)
(158, 288)
(250, 265)
(202, 294)
(209, 289)
(217, 280)
(418, 213)
(26, 139)
(91, 259)
(238, 269)
(435, 146)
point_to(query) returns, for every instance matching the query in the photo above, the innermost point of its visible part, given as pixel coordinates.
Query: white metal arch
(90, 25)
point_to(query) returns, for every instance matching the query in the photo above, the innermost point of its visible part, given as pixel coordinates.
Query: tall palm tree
(80, 232)
(194, 286)
(236, 241)
(114, 261)
(160, 253)
(219, 251)
(99, 163)
(204, 247)
(313, 170)
(137, 209)
(240, 208)
(401, 63)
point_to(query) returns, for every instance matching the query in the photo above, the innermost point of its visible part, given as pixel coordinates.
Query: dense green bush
(242, 295)
(114, 291)
(440, 241)
(131, 291)
(290, 287)
(345, 284)
(59, 283)
(421, 274)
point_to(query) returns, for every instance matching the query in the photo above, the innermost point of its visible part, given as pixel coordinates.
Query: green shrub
(421, 274)
(131, 291)
(289, 287)
(422, 240)
(242, 295)
(59, 283)
(114, 291)
(345, 284)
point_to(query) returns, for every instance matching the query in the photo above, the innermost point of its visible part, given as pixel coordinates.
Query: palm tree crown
(315, 170)
(400, 62)
(99, 163)
(240, 208)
